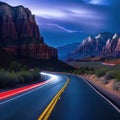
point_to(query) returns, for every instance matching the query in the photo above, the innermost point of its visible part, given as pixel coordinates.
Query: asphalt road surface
(78, 102)
(29, 105)
(81, 102)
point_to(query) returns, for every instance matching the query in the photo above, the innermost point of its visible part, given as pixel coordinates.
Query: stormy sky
(67, 21)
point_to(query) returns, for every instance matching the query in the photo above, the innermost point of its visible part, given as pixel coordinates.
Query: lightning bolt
(63, 28)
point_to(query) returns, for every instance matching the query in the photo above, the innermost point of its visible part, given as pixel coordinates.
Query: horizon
(64, 22)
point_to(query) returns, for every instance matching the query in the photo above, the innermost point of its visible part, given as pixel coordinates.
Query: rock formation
(112, 47)
(103, 45)
(19, 32)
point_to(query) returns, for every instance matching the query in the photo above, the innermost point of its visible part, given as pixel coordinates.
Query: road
(29, 105)
(81, 102)
(78, 102)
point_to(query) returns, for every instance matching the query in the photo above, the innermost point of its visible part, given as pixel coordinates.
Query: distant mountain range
(19, 33)
(103, 45)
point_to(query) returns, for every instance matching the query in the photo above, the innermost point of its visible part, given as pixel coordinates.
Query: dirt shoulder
(105, 89)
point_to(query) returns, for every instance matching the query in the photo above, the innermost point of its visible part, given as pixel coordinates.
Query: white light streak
(52, 77)
(63, 28)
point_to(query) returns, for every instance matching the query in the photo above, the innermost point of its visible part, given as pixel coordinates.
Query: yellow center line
(48, 110)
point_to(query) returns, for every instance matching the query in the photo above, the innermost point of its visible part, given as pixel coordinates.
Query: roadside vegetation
(104, 74)
(18, 74)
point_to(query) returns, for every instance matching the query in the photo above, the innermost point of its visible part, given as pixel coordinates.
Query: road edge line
(105, 98)
(48, 110)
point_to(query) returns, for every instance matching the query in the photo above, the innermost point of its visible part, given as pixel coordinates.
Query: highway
(82, 102)
(29, 105)
(79, 101)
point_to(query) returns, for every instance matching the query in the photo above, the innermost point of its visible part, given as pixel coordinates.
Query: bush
(91, 71)
(116, 86)
(11, 79)
(25, 76)
(8, 79)
(117, 76)
(101, 72)
(21, 77)
(28, 76)
(84, 70)
(110, 75)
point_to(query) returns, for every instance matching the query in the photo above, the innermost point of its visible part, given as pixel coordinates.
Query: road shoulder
(111, 95)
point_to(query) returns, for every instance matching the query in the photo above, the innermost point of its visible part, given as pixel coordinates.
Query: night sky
(67, 21)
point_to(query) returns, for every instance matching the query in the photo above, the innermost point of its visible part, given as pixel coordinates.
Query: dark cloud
(67, 21)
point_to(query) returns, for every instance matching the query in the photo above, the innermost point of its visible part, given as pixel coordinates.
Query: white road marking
(114, 106)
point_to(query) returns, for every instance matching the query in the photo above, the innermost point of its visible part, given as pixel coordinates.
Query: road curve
(79, 101)
(29, 105)
(82, 102)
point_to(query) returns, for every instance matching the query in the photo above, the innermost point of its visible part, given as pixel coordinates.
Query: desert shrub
(117, 76)
(91, 72)
(21, 77)
(28, 76)
(83, 70)
(8, 79)
(25, 76)
(116, 86)
(36, 73)
(11, 79)
(110, 75)
(101, 72)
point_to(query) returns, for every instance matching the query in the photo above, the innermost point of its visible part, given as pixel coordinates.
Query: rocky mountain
(19, 33)
(112, 47)
(104, 45)
(92, 46)
(87, 46)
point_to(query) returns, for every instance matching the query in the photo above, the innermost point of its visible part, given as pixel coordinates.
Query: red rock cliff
(18, 29)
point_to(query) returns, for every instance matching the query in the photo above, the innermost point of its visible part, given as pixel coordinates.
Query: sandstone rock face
(17, 23)
(19, 31)
(39, 51)
(11, 49)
